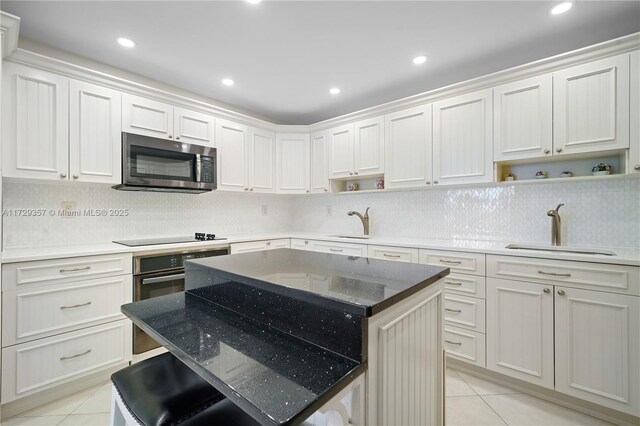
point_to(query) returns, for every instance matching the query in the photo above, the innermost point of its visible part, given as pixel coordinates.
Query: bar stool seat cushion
(162, 391)
(223, 413)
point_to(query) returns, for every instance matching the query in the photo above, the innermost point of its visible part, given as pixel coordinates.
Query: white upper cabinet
(35, 112)
(94, 133)
(261, 161)
(193, 127)
(146, 117)
(463, 139)
(369, 146)
(633, 164)
(319, 163)
(341, 151)
(149, 117)
(231, 153)
(597, 337)
(522, 119)
(408, 147)
(292, 163)
(591, 106)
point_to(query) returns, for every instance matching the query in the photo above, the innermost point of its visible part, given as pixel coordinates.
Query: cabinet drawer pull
(75, 306)
(452, 262)
(453, 310)
(452, 283)
(453, 343)
(393, 256)
(336, 250)
(554, 274)
(76, 355)
(86, 268)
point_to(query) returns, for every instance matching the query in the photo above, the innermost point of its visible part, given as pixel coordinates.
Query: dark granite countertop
(357, 285)
(278, 332)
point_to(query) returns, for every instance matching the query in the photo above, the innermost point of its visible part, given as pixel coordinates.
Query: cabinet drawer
(35, 366)
(53, 271)
(466, 312)
(48, 310)
(466, 285)
(399, 254)
(252, 246)
(340, 248)
(595, 276)
(465, 345)
(278, 244)
(467, 263)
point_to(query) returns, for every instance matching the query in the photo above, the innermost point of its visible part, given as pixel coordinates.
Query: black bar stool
(162, 391)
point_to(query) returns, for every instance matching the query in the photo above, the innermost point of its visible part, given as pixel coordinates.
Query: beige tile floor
(470, 401)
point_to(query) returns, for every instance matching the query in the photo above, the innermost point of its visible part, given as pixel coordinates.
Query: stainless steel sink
(357, 237)
(560, 249)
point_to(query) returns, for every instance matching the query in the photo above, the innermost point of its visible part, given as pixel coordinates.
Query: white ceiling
(285, 55)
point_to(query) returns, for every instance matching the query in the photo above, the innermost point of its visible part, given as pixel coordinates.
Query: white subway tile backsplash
(596, 213)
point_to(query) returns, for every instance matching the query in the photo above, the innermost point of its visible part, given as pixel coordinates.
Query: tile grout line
(489, 405)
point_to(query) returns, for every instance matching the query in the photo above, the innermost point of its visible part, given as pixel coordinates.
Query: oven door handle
(162, 279)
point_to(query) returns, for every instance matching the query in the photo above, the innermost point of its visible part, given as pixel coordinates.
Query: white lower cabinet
(35, 366)
(597, 337)
(520, 330)
(465, 345)
(400, 254)
(252, 246)
(465, 312)
(347, 249)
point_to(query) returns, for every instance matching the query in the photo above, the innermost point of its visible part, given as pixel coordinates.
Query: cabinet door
(146, 117)
(341, 151)
(35, 132)
(520, 330)
(292, 163)
(95, 145)
(597, 347)
(522, 119)
(193, 127)
(231, 151)
(591, 106)
(633, 165)
(319, 163)
(408, 147)
(369, 147)
(262, 161)
(463, 139)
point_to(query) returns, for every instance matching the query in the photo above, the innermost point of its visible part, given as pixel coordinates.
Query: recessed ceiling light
(561, 8)
(254, 1)
(227, 82)
(126, 42)
(419, 60)
(334, 90)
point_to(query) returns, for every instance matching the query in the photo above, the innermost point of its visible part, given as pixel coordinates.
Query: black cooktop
(170, 240)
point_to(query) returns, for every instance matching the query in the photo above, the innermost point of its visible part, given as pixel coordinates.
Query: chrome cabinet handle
(561, 293)
(76, 176)
(393, 256)
(307, 191)
(306, 242)
(546, 151)
(246, 189)
(75, 306)
(636, 167)
(558, 149)
(250, 189)
(268, 243)
(554, 274)
(453, 310)
(453, 343)
(350, 174)
(161, 279)
(546, 290)
(428, 182)
(177, 138)
(435, 182)
(355, 173)
(76, 355)
(336, 250)
(63, 175)
(86, 268)
(452, 262)
(325, 190)
(170, 136)
(452, 283)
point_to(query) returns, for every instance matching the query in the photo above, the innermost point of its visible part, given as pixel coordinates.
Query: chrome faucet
(364, 219)
(556, 230)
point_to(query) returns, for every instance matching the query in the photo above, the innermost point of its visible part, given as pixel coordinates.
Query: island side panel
(405, 373)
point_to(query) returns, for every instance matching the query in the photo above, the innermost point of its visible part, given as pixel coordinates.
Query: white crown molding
(597, 51)
(9, 30)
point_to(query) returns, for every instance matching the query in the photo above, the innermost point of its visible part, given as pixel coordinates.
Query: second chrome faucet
(364, 219)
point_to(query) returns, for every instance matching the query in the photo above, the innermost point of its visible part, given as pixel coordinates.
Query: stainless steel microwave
(152, 164)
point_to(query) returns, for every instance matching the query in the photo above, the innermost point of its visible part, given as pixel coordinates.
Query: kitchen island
(293, 337)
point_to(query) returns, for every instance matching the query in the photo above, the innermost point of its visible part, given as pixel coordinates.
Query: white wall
(603, 213)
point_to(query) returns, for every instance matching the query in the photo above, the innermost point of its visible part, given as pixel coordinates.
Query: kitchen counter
(279, 332)
(624, 256)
